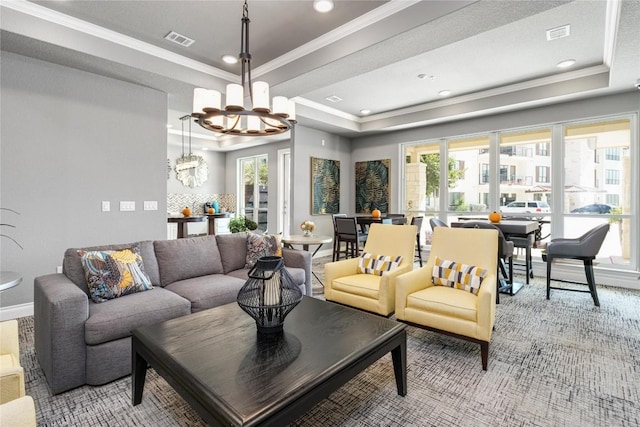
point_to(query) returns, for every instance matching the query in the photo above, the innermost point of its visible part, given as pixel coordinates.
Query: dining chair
(584, 248)
(336, 245)
(392, 215)
(436, 222)
(505, 254)
(347, 231)
(417, 221)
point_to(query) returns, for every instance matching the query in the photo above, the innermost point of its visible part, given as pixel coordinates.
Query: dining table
(366, 220)
(515, 230)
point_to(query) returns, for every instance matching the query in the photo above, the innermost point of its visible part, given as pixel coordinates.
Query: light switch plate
(106, 206)
(127, 206)
(150, 205)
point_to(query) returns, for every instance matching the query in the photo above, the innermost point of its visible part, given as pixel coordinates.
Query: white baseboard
(15, 311)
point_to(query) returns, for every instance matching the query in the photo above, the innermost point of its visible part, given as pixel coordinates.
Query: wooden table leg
(138, 376)
(183, 230)
(399, 357)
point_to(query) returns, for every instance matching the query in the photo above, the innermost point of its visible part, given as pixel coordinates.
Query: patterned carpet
(561, 362)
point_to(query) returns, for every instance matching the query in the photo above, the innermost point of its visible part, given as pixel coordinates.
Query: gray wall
(69, 140)
(386, 145)
(215, 163)
(315, 143)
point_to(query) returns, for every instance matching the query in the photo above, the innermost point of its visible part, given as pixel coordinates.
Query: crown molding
(93, 30)
(390, 8)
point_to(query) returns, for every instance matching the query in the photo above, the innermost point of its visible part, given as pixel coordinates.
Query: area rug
(562, 362)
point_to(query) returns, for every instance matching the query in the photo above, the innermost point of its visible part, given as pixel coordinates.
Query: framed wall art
(372, 185)
(325, 186)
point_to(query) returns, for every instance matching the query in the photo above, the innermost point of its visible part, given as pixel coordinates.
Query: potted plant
(240, 224)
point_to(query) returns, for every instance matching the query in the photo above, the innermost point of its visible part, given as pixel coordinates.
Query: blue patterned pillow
(457, 275)
(111, 274)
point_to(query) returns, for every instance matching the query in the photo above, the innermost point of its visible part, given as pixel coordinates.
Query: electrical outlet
(150, 205)
(106, 206)
(126, 206)
(59, 269)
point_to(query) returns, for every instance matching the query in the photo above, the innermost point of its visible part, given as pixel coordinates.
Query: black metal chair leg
(588, 270)
(548, 276)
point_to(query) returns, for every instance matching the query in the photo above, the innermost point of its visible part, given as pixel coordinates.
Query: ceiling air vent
(179, 38)
(333, 98)
(558, 32)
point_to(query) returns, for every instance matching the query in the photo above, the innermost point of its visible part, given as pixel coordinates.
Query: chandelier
(260, 118)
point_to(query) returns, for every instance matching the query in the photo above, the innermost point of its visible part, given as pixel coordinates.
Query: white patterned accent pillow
(377, 264)
(459, 276)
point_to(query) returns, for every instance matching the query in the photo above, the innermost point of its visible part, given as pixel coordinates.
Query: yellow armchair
(447, 310)
(376, 294)
(11, 373)
(18, 413)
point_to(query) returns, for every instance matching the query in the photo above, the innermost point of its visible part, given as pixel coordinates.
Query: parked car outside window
(526, 206)
(597, 208)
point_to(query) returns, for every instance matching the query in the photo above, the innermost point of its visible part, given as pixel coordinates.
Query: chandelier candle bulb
(261, 97)
(280, 106)
(253, 124)
(292, 110)
(217, 122)
(234, 97)
(212, 99)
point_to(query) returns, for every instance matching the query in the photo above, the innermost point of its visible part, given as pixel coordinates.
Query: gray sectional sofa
(81, 342)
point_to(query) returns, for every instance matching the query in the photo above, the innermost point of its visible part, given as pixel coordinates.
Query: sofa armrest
(300, 259)
(60, 312)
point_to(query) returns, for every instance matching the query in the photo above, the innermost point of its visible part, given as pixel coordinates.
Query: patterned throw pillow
(112, 274)
(261, 245)
(459, 276)
(377, 264)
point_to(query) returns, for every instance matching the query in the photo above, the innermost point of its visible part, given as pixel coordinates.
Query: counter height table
(183, 221)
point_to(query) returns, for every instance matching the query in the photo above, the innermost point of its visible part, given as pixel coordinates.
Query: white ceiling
(492, 55)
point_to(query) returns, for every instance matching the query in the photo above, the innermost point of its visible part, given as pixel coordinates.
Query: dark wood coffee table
(217, 362)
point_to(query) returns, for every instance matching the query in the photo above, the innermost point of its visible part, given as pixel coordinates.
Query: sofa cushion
(72, 264)
(116, 318)
(186, 258)
(259, 245)
(233, 249)
(206, 292)
(112, 274)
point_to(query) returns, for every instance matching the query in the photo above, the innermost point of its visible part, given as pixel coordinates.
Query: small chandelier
(260, 119)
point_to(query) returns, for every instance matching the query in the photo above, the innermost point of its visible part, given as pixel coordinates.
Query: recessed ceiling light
(365, 112)
(333, 98)
(425, 76)
(566, 63)
(323, 6)
(230, 59)
(444, 93)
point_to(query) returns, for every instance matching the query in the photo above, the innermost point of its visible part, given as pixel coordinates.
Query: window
(484, 173)
(613, 199)
(520, 174)
(422, 178)
(612, 154)
(254, 191)
(542, 174)
(465, 159)
(542, 149)
(612, 177)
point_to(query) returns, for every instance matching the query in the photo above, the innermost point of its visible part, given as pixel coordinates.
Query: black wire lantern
(269, 294)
